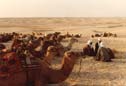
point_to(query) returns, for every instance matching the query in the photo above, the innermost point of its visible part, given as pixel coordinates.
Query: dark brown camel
(104, 54)
(35, 43)
(87, 50)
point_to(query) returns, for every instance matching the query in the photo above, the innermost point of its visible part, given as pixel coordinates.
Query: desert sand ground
(92, 73)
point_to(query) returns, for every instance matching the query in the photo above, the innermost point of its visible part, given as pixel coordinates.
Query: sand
(92, 73)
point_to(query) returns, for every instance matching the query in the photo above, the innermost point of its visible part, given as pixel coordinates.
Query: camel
(60, 38)
(5, 37)
(47, 43)
(114, 35)
(42, 53)
(68, 35)
(71, 42)
(104, 54)
(12, 73)
(50, 54)
(88, 49)
(41, 50)
(78, 35)
(62, 49)
(35, 43)
(105, 34)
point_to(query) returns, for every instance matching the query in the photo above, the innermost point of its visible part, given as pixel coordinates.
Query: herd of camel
(105, 34)
(27, 62)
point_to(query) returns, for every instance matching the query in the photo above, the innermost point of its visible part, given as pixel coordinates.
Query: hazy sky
(62, 8)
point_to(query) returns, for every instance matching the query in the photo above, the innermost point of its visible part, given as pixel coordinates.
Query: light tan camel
(61, 49)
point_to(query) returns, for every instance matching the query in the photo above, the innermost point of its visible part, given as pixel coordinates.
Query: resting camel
(12, 73)
(87, 50)
(61, 49)
(78, 35)
(6, 37)
(41, 50)
(35, 43)
(104, 54)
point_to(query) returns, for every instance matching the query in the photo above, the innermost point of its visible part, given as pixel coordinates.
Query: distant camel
(62, 49)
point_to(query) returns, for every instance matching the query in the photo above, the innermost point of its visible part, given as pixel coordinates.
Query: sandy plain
(92, 73)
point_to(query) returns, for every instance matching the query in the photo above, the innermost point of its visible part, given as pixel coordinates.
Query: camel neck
(70, 45)
(67, 65)
(57, 76)
(47, 62)
(49, 57)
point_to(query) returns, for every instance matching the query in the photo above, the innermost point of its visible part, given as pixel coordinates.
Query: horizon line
(66, 17)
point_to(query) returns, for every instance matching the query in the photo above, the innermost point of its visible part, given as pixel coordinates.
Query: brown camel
(60, 48)
(35, 43)
(12, 73)
(104, 54)
(89, 51)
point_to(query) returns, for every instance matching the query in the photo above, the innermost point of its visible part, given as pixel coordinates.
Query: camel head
(73, 40)
(72, 55)
(50, 54)
(51, 50)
